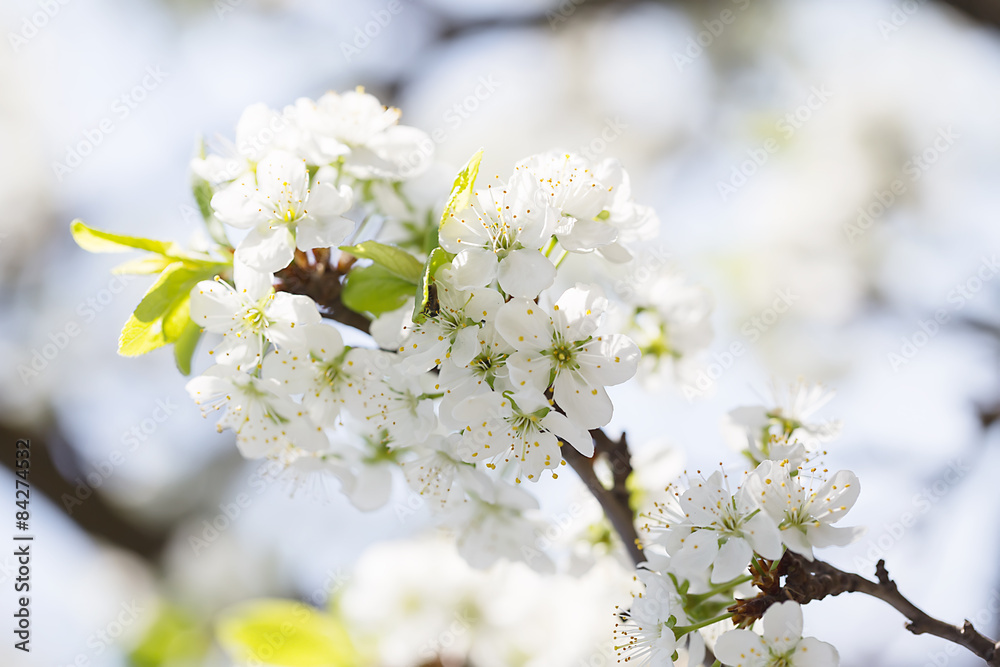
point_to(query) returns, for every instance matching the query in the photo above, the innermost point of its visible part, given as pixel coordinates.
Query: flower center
(254, 319)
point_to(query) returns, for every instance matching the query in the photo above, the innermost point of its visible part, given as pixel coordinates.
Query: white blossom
(249, 316)
(282, 211)
(497, 239)
(713, 527)
(355, 129)
(560, 350)
(520, 427)
(804, 516)
(330, 376)
(263, 417)
(780, 645)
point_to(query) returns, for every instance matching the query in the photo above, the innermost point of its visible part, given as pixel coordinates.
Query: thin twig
(808, 580)
(614, 501)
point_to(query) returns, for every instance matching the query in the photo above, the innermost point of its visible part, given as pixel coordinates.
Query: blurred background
(829, 170)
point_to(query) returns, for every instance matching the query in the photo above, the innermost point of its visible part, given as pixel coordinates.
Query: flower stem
(698, 598)
(681, 630)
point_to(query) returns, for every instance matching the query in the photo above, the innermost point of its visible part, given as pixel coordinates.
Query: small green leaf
(144, 330)
(144, 266)
(94, 240)
(184, 346)
(177, 316)
(202, 191)
(461, 190)
(397, 260)
(426, 290)
(376, 290)
(286, 633)
(174, 638)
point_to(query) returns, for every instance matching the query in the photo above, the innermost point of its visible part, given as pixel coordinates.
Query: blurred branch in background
(55, 469)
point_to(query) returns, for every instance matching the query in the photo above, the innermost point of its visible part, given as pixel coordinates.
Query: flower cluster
(708, 543)
(485, 366)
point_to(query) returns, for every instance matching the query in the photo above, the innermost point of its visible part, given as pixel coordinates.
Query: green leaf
(426, 290)
(94, 240)
(184, 346)
(397, 260)
(144, 330)
(202, 191)
(144, 266)
(286, 633)
(175, 638)
(376, 290)
(461, 190)
(177, 316)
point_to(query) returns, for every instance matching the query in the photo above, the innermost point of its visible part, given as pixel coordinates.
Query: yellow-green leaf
(184, 346)
(395, 259)
(376, 290)
(175, 638)
(426, 290)
(144, 330)
(144, 266)
(461, 190)
(285, 633)
(95, 240)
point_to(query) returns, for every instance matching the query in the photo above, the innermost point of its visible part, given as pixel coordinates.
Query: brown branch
(809, 580)
(321, 281)
(614, 501)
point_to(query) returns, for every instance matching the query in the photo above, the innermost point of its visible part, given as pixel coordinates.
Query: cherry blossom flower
(644, 636)
(716, 528)
(781, 644)
(283, 212)
(259, 130)
(497, 238)
(561, 351)
(452, 333)
(330, 376)
(263, 417)
(485, 372)
(493, 525)
(792, 408)
(520, 427)
(355, 129)
(805, 517)
(439, 474)
(593, 203)
(249, 316)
